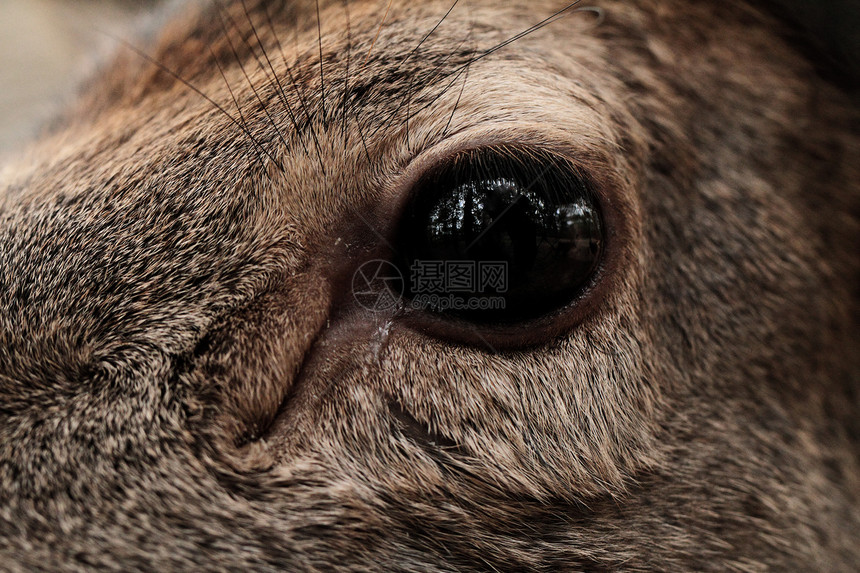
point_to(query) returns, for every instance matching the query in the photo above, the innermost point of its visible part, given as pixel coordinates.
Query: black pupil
(501, 238)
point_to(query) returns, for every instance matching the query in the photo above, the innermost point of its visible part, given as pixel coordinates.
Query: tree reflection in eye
(532, 211)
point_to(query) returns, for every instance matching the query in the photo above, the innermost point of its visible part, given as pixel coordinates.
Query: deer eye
(500, 237)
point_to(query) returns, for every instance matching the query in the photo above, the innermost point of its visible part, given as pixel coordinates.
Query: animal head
(233, 278)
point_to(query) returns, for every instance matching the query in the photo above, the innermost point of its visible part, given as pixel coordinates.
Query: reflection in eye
(532, 212)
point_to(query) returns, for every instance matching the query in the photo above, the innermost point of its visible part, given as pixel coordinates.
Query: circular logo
(377, 285)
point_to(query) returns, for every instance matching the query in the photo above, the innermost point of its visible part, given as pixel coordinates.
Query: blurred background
(46, 47)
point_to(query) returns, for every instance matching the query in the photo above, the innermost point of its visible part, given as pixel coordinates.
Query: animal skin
(187, 381)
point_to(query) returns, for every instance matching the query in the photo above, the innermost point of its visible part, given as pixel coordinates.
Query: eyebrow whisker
(245, 73)
(240, 124)
(277, 82)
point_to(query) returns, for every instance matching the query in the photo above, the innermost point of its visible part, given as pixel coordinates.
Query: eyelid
(535, 175)
(613, 190)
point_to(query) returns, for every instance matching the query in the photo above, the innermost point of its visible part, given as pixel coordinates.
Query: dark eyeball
(500, 236)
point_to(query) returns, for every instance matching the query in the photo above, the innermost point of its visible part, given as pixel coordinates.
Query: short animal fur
(186, 382)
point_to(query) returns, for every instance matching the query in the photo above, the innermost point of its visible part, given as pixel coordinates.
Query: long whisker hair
(267, 67)
(295, 87)
(240, 123)
(263, 105)
(275, 80)
(457, 72)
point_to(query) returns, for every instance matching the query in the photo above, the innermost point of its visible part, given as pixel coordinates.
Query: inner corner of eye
(501, 235)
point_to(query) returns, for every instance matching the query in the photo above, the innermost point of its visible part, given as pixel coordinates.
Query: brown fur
(187, 383)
